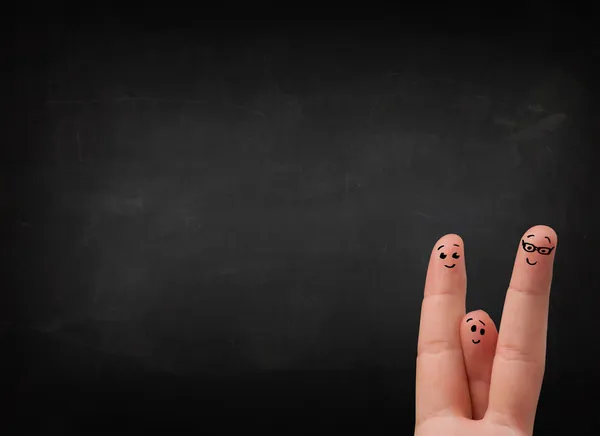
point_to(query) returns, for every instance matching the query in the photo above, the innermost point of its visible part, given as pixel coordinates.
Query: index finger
(441, 379)
(520, 358)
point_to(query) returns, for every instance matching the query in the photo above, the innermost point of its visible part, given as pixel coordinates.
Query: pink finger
(441, 379)
(478, 335)
(521, 350)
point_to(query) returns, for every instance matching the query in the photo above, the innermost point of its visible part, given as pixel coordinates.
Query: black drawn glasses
(530, 248)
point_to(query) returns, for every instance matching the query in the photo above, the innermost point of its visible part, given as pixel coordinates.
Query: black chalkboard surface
(236, 223)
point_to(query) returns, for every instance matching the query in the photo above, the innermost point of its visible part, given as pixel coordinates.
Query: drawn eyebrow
(440, 247)
(470, 319)
(481, 321)
(456, 245)
(548, 239)
(529, 236)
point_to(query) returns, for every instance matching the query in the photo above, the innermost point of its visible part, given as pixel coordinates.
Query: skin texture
(489, 388)
(478, 352)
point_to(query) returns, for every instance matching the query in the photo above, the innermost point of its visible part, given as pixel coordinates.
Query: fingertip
(449, 250)
(449, 240)
(478, 339)
(542, 231)
(480, 315)
(534, 260)
(446, 272)
(477, 314)
(478, 333)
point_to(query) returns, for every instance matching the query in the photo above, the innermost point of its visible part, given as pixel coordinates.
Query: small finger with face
(441, 378)
(521, 350)
(478, 335)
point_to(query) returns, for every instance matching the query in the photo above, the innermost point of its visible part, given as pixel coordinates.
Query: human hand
(491, 387)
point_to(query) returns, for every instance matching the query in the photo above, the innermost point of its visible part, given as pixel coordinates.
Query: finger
(521, 350)
(441, 380)
(478, 336)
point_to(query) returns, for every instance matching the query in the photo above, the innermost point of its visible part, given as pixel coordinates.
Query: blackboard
(201, 220)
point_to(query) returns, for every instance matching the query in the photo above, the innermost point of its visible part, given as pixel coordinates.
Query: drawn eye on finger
(475, 339)
(531, 248)
(528, 247)
(443, 255)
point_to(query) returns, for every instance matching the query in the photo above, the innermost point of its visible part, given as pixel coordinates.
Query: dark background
(229, 221)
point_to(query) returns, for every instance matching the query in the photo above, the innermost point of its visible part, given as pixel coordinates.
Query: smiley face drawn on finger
(444, 255)
(531, 248)
(474, 330)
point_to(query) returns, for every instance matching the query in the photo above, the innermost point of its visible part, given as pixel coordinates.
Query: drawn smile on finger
(474, 330)
(530, 248)
(443, 255)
